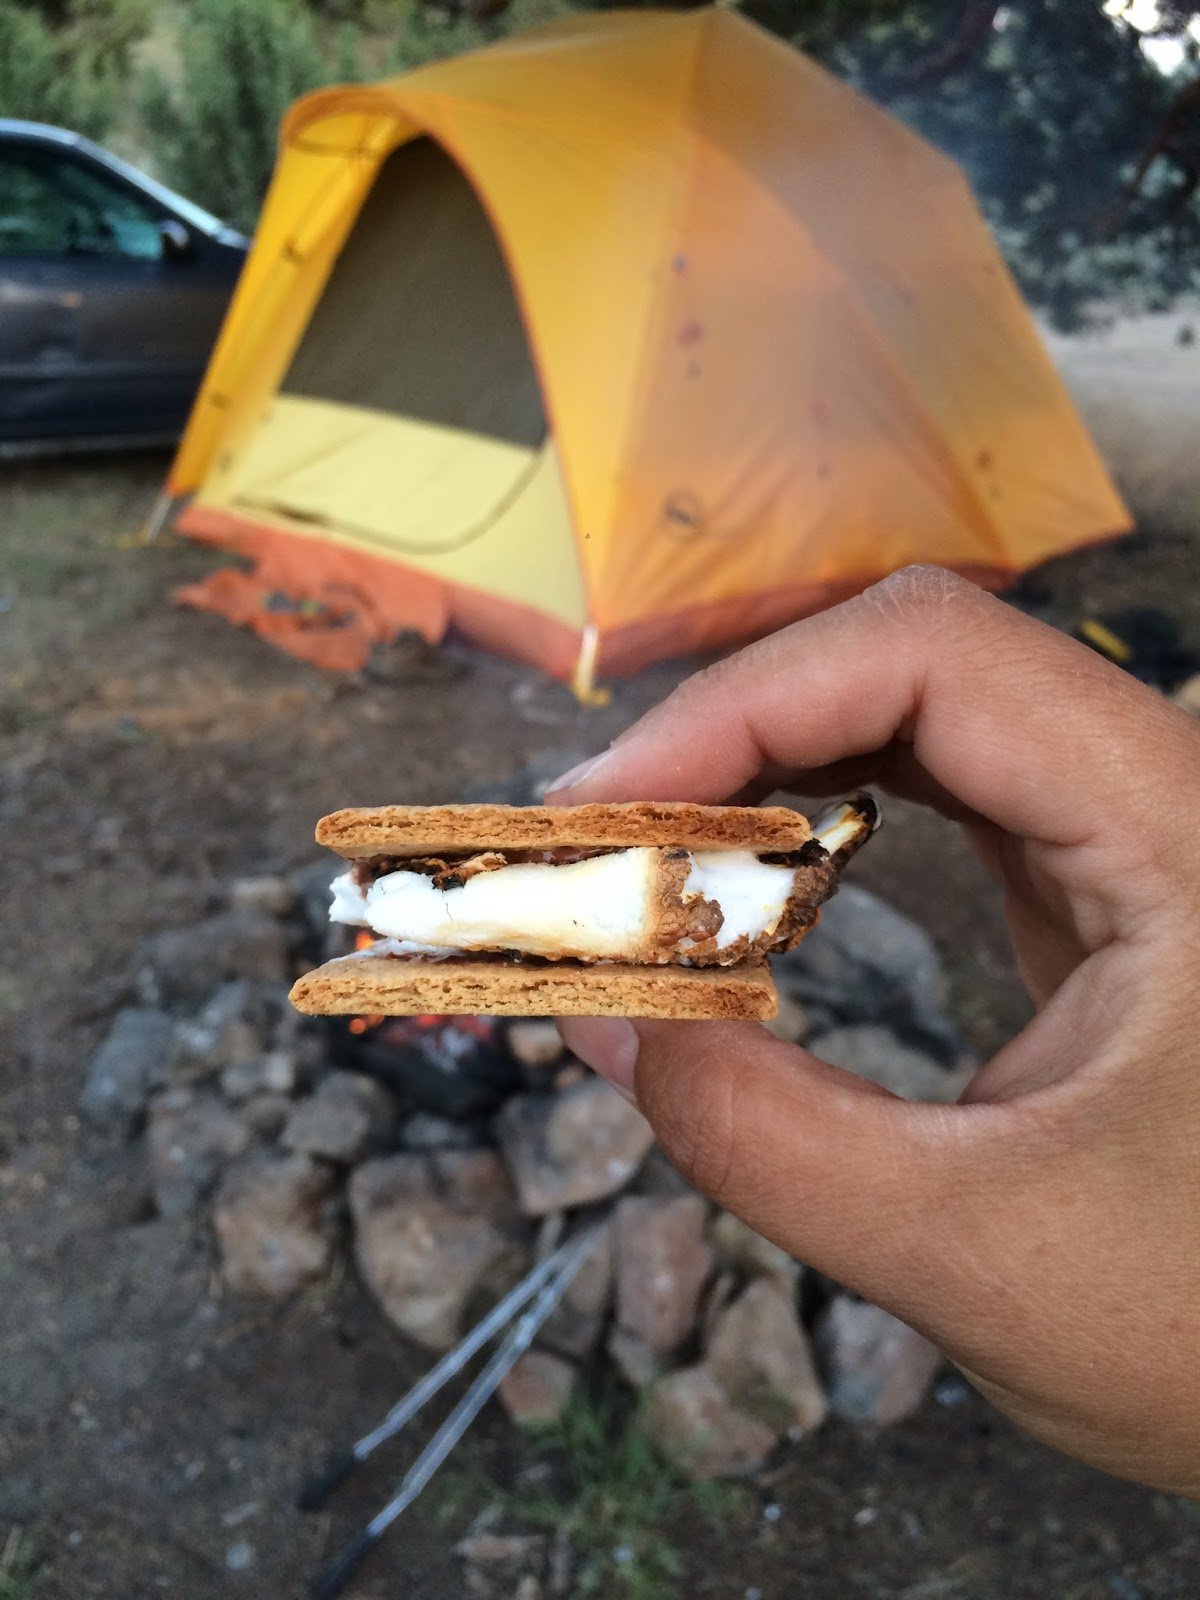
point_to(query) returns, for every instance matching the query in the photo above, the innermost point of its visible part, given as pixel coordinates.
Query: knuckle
(920, 591)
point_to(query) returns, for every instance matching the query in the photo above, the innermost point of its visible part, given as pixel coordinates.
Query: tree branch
(974, 26)
(1178, 112)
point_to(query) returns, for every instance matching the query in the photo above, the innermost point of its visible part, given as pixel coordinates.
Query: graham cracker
(359, 832)
(367, 985)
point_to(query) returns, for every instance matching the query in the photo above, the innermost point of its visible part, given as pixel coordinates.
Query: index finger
(1018, 723)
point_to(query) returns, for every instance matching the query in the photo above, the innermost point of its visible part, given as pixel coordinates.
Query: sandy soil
(148, 1424)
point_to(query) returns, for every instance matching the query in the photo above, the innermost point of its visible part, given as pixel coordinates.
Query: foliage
(1052, 156)
(242, 63)
(614, 1497)
(19, 1578)
(1084, 155)
(46, 75)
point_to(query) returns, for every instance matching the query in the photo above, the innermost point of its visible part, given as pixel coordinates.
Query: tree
(1085, 156)
(242, 63)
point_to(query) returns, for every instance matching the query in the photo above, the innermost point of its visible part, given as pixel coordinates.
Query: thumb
(843, 1175)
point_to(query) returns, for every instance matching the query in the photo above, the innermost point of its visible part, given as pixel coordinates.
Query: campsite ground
(150, 1432)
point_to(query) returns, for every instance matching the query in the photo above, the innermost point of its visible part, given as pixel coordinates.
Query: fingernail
(609, 1045)
(578, 774)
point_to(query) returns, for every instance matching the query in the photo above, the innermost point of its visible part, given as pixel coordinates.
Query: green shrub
(242, 63)
(46, 76)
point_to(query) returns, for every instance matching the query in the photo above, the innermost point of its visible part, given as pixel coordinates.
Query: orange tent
(636, 334)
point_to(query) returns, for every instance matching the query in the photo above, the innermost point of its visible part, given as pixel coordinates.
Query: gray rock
(867, 962)
(567, 1149)
(422, 1258)
(662, 1261)
(310, 885)
(189, 1138)
(877, 1368)
(345, 1118)
(475, 1181)
(759, 1355)
(266, 1114)
(633, 1358)
(424, 1131)
(229, 1028)
(272, 1223)
(536, 1390)
(574, 1326)
(739, 1246)
(875, 1053)
(791, 1021)
(510, 1552)
(696, 1425)
(536, 1044)
(273, 1073)
(182, 966)
(273, 895)
(135, 1059)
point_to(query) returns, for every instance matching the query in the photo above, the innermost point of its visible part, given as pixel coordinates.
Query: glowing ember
(362, 1024)
(363, 939)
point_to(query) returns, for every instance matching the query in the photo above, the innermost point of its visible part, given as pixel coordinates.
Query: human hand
(1045, 1232)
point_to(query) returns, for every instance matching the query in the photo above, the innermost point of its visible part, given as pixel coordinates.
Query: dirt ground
(153, 1433)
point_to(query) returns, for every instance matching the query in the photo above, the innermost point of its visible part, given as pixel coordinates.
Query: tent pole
(583, 680)
(159, 516)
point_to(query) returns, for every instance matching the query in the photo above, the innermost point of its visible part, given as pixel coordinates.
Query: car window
(51, 204)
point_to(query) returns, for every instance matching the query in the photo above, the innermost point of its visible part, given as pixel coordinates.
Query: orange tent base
(332, 605)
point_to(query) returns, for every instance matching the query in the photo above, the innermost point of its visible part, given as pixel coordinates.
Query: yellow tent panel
(636, 334)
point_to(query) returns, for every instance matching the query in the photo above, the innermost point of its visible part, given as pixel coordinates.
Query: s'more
(641, 909)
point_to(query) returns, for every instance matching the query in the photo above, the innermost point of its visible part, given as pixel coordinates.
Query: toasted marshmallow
(609, 907)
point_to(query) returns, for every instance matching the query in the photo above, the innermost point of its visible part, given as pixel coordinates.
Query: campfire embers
(456, 1067)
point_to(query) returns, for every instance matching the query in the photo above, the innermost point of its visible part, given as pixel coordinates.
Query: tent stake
(336, 1574)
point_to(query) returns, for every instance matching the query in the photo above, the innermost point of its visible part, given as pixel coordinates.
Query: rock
(875, 1053)
(498, 1565)
(790, 1021)
(658, 1177)
(271, 1223)
(570, 1148)
(866, 962)
(663, 1260)
(1188, 695)
(266, 1114)
(499, 1550)
(231, 1027)
(574, 1327)
(135, 1059)
(877, 1368)
(346, 1117)
(633, 1358)
(422, 1258)
(750, 1253)
(190, 1137)
(590, 1290)
(759, 1355)
(536, 1390)
(310, 885)
(272, 1073)
(536, 1044)
(696, 1425)
(423, 1131)
(475, 1181)
(182, 966)
(271, 894)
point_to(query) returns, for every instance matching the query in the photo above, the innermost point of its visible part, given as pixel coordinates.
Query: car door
(112, 319)
(39, 323)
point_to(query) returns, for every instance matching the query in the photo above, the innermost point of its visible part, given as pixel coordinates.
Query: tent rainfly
(634, 335)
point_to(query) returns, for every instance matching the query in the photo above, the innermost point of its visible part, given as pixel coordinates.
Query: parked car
(112, 289)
